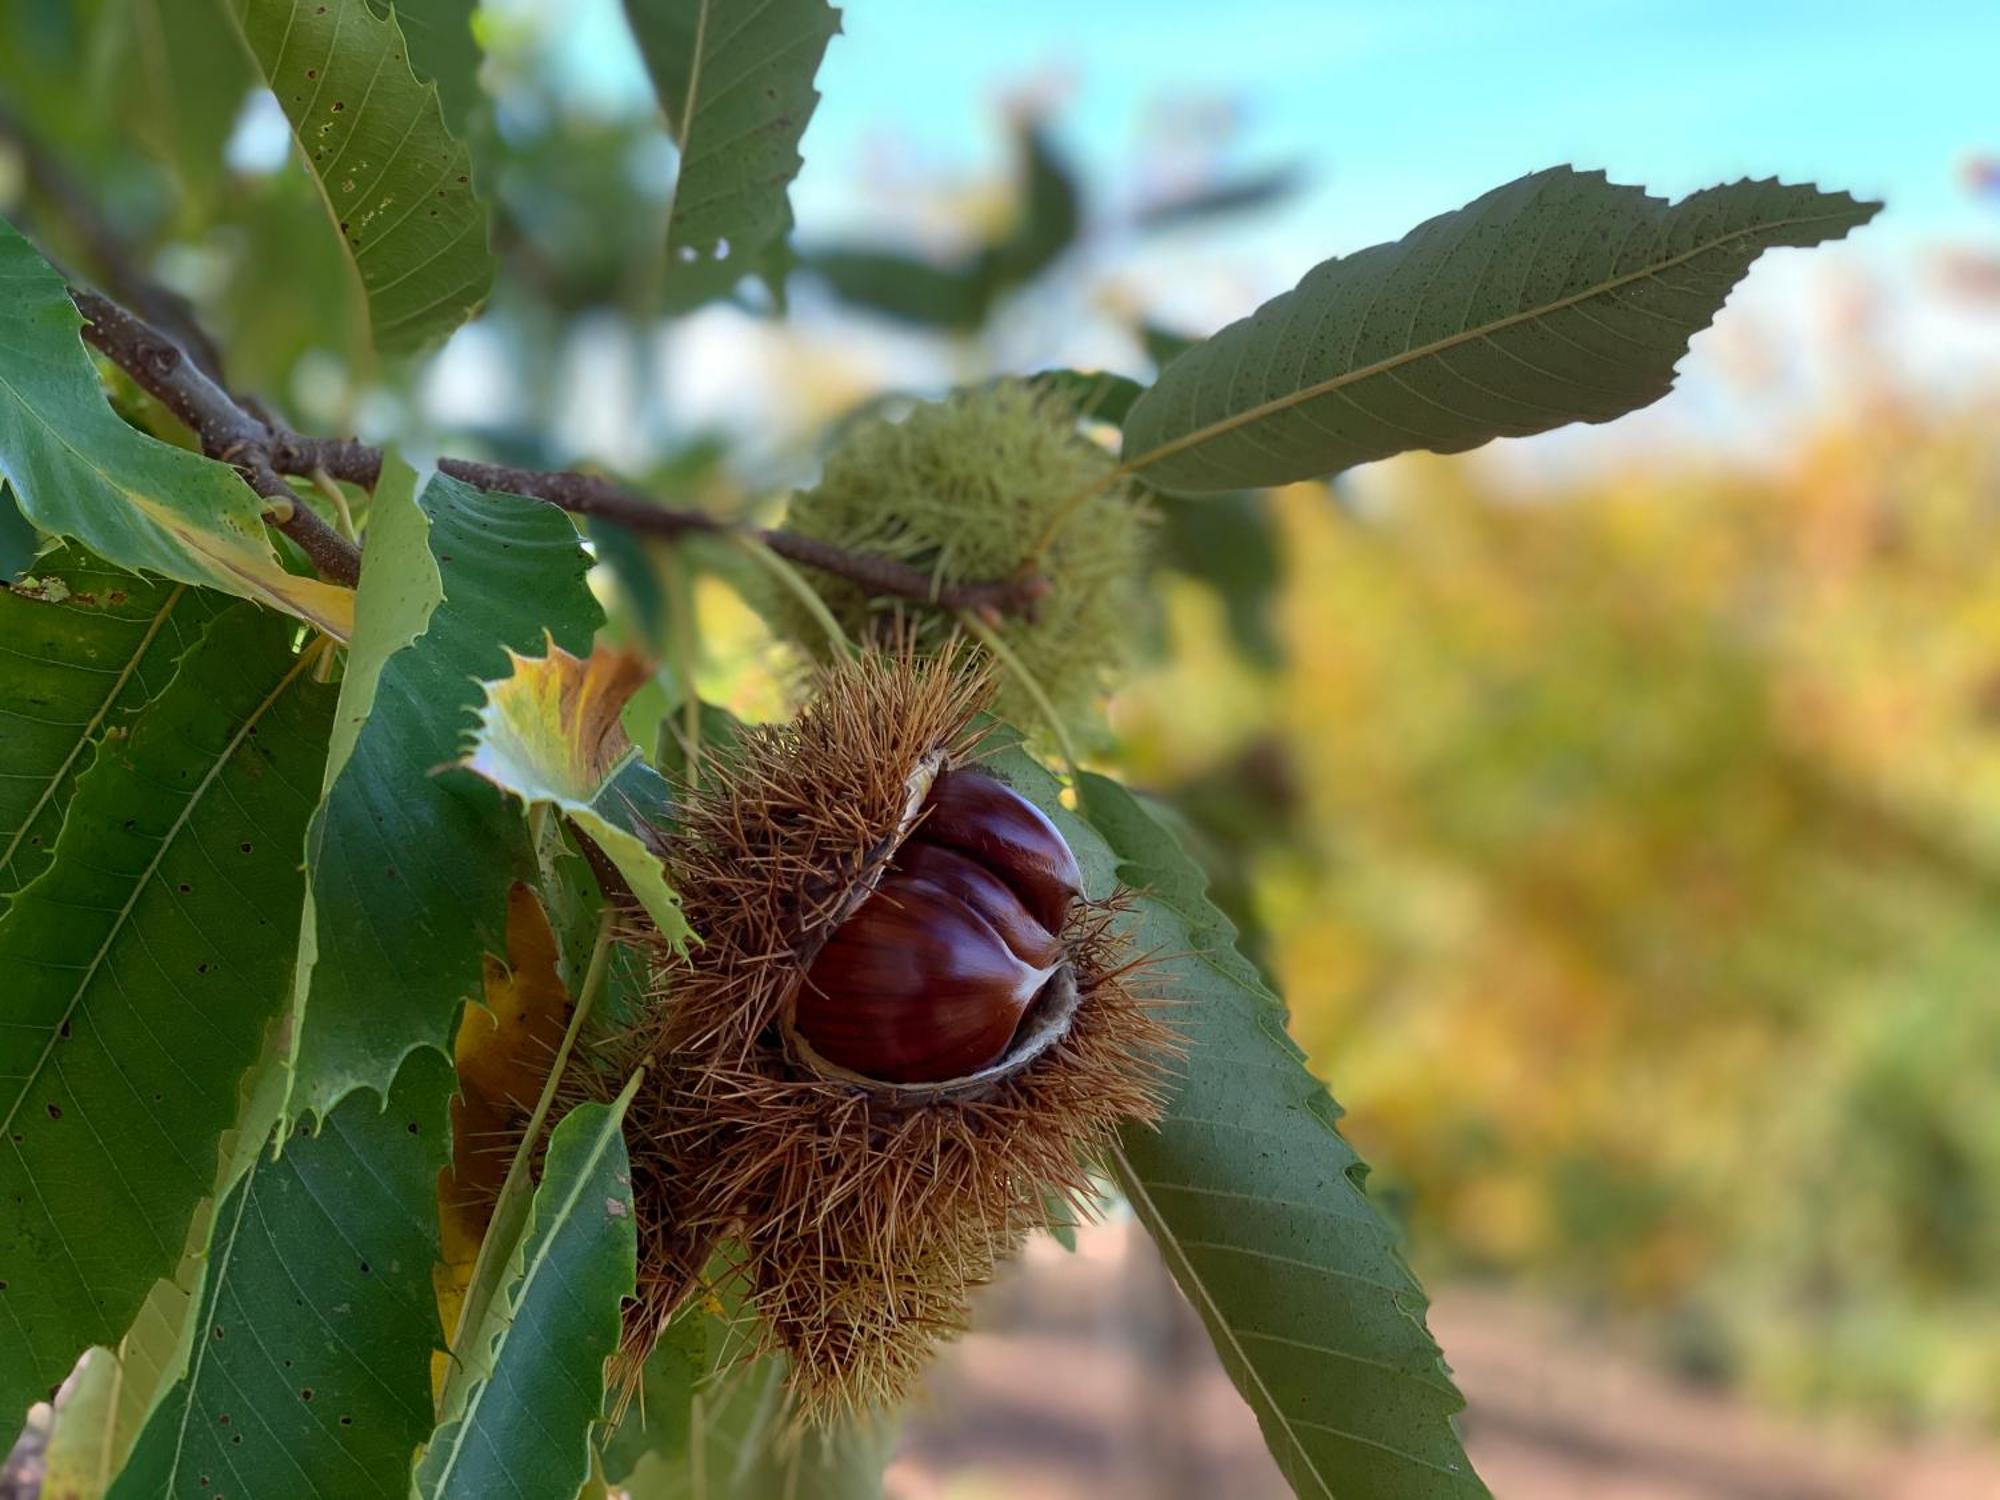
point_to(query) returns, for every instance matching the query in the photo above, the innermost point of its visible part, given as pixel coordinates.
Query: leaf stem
(804, 592)
(683, 638)
(1032, 562)
(990, 638)
(489, 1265)
(337, 498)
(263, 452)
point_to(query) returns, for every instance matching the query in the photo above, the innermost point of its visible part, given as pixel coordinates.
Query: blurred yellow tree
(1643, 893)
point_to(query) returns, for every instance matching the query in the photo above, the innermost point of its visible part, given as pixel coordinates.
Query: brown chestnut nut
(994, 824)
(930, 977)
(985, 893)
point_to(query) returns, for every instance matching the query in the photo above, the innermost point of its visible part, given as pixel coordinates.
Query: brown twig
(264, 452)
(606, 499)
(183, 369)
(225, 430)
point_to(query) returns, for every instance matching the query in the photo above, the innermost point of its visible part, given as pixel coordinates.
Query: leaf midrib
(1169, 1243)
(613, 1122)
(694, 91)
(1257, 413)
(218, 1267)
(124, 914)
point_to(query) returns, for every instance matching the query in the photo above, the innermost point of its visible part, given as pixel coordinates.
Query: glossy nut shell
(930, 977)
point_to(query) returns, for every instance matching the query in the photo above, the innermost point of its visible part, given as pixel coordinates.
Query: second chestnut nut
(931, 976)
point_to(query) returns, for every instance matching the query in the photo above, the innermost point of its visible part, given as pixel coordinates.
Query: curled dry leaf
(503, 1052)
(549, 733)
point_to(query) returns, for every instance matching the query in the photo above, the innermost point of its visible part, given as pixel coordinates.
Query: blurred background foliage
(1626, 854)
(1627, 845)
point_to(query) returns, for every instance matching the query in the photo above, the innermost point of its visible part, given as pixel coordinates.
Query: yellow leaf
(503, 1053)
(549, 732)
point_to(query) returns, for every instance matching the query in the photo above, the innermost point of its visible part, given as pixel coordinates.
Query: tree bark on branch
(264, 452)
(165, 350)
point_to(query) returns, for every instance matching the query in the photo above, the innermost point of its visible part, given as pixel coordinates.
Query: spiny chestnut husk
(904, 1039)
(984, 484)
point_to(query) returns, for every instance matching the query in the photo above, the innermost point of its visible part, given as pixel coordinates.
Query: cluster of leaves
(264, 838)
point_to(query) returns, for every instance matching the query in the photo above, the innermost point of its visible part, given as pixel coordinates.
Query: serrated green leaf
(83, 648)
(143, 966)
(1214, 200)
(442, 50)
(1253, 1197)
(156, 1349)
(844, 1462)
(45, 46)
(720, 735)
(961, 294)
(632, 561)
(176, 92)
(1256, 1203)
(736, 84)
(692, 1377)
(1061, 1215)
(397, 184)
(149, 1359)
(1558, 298)
(509, 1052)
(285, 288)
(725, 1426)
(78, 471)
(519, 1413)
(399, 590)
(310, 1373)
(403, 589)
(658, 1421)
(549, 732)
(1048, 216)
(1163, 345)
(410, 860)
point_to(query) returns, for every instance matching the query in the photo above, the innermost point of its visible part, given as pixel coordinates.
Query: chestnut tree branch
(183, 369)
(263, 452)
(225, 430)
(606, 499)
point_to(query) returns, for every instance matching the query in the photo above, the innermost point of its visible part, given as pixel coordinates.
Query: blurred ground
(1094, 1382)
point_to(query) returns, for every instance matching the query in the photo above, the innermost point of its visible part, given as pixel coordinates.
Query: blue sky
(1401, 110)
(1406, 109)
